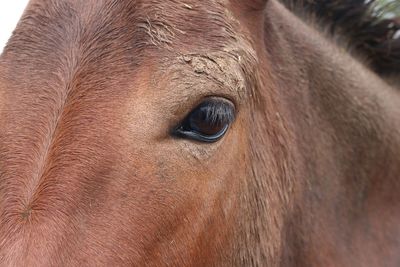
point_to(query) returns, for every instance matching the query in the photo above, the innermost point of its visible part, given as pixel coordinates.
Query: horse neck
(345, 123)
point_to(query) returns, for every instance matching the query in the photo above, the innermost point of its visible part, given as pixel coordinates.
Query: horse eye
(208, 122)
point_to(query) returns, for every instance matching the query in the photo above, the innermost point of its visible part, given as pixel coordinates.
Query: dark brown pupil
(203, 125)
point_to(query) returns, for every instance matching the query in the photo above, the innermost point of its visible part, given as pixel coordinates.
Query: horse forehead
(76, 39)
(125, 28)
(163, 18)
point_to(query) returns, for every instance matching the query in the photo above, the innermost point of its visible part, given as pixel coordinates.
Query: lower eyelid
(199, 137)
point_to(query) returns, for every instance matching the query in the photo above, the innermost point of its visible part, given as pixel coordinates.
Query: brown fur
(89, 174)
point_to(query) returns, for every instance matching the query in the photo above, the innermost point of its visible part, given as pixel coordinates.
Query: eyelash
(218, 113)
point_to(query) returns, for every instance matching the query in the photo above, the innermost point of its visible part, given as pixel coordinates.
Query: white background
(10, 12)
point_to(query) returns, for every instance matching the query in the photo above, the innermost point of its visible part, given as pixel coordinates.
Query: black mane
(358, 22)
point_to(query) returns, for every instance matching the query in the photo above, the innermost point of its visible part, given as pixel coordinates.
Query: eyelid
(200, 137)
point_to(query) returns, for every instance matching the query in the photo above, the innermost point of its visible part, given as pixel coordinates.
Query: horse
(199, 133)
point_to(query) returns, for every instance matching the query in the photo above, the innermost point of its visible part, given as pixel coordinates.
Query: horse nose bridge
(77, 175)
(72, 174)
(73, 171)
(51, 169)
